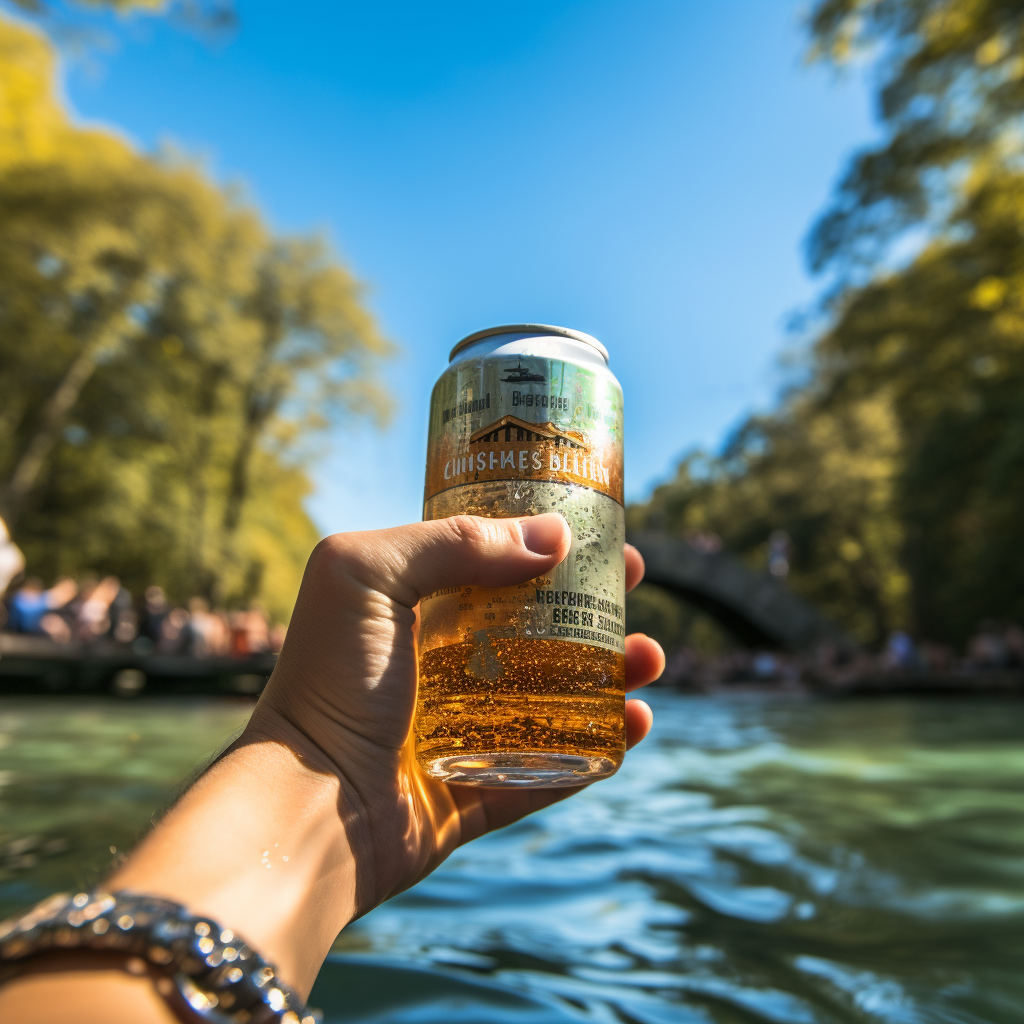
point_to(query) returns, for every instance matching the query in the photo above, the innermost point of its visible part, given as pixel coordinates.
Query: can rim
(562, 332)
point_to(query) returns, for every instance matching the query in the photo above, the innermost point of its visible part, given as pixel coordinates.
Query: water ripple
(757, 860)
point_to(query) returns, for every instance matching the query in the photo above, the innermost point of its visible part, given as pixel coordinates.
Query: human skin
(319, 812)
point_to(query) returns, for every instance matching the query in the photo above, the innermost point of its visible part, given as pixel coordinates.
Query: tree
(945, 338)
(943, 334)
(163, 359)
(897, 468)
(950, 97)
(826, 477)
(313, 340)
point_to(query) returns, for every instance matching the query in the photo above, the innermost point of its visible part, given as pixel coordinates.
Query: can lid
(562, 332)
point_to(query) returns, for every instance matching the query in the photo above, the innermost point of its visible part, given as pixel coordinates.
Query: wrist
(386, 798)
(260, 843)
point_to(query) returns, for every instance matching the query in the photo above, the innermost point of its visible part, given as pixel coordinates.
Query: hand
(343, 692)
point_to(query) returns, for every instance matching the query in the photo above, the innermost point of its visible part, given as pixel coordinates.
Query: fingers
(639, 720)
(410, 562)
(634, 567)
(645, 661)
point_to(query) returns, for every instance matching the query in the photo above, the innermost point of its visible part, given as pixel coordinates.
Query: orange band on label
(511, 448)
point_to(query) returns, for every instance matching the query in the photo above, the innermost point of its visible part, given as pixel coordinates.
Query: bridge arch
(755, 607)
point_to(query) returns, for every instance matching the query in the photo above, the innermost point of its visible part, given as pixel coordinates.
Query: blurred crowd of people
(96, 609)
(994, 647)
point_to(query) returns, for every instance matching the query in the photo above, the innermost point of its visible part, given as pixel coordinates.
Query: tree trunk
(204, 576)
(52, 419)
(238, 489)
(258, 410)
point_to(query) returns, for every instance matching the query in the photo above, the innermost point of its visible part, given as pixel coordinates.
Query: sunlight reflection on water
(756, 860)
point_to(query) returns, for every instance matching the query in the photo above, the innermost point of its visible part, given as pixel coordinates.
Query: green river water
(757, 860)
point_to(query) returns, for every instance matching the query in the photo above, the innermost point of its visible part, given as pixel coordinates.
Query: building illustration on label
(512, 428)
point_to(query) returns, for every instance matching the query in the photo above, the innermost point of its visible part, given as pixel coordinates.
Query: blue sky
(644, 170)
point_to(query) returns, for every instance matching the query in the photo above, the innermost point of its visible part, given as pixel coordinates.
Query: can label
(544, 435)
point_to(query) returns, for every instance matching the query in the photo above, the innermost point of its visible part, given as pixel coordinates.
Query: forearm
(259, 844)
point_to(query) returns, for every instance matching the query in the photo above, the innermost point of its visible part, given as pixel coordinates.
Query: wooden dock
(38, 665)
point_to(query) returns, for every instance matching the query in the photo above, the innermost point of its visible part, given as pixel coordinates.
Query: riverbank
(32, 665)
(831, 673)
(37, 665)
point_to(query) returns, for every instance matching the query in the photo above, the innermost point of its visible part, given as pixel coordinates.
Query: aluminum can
(524, 686)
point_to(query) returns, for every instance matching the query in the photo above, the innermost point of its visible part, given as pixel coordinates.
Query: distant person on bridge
(33, 609)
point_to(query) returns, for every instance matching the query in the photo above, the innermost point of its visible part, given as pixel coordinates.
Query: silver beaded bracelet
(218, 977)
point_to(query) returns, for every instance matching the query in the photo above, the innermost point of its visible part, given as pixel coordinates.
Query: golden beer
(524, 686)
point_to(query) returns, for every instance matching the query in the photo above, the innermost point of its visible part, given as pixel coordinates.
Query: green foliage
(163, 360)
(945, 338)
(951, 92)
(825, 476)
(898, 467)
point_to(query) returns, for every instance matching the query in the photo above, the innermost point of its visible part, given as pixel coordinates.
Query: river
(756, 860)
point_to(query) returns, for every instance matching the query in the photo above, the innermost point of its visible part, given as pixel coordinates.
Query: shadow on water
(757, 860)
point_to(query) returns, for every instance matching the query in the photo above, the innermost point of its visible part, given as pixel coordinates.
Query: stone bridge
(755, 607)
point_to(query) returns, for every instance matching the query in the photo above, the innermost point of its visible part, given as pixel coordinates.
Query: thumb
(409, 562)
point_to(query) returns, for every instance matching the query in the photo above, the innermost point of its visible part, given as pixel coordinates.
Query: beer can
(524, 686)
